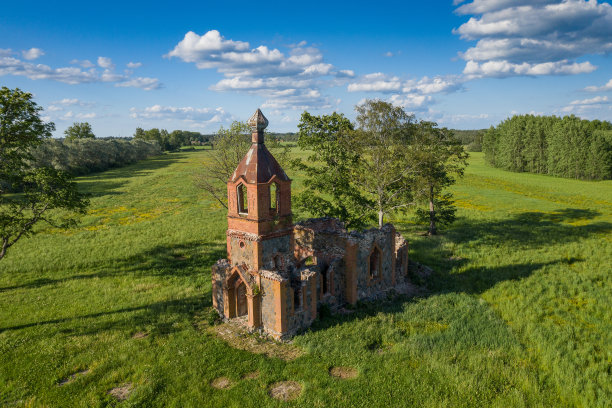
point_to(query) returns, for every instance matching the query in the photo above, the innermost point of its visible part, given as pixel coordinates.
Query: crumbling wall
(384, 239)
(268, 303)
(302, 316)
(241, 249)
(219, 272)
(276, 253)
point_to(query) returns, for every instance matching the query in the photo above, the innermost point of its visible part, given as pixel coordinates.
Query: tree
(383, 171)
(437, 157)
(79, 131)
(28, 195)
(230, 146)
(331, 190)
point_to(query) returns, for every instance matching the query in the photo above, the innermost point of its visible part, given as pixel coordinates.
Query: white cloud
(105, 62)
(5, 52)
(518, 32)
(388, 54)
(32, 53)
(502, 69)
(582, 106)
(591, 101)
(603, 88)
(69, 75)
(410, 94)
(83, 63)
(186, 114)
(292, 78)
(74, 75)
(410, 101)
(145, 83)
(376, 82)
(134, 65)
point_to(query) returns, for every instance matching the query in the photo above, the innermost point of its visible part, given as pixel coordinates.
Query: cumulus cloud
(32, 53)
(134, 65)
(582, 106)
(5, 52)
(187, 114)
(63, 103)
(105, 62)
(70, 115)
(410, 101)
(411, 93)
(603, 88)
(518, 34)
(591, 101)
(376, 82)
(74, 75)
(291, 79)
(502, 69)
(83, 63)
(145, 83)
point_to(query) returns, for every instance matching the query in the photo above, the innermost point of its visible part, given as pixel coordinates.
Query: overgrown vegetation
(564, 147)
(517, 312)
(84, 156)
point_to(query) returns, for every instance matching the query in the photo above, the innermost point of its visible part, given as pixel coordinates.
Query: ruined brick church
(277, 274)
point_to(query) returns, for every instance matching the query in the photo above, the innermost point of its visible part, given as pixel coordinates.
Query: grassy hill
(518, 311)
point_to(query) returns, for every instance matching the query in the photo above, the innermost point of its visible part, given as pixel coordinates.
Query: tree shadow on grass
(182, 260)
(530, 230)
(161, 317)
(98, 184)
(191, 259)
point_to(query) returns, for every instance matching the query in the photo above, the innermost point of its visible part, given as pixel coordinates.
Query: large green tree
(384, 172)
(331, 188)
(28, 195)
(79, 130)
(436, 157)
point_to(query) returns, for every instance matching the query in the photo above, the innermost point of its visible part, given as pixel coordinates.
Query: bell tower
(259, 207)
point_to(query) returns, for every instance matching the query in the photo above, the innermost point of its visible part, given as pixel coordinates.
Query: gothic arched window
(243, 203)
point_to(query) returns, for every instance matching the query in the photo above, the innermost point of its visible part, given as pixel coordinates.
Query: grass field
(518, 311)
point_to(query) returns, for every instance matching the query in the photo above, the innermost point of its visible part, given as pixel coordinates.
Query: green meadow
(518, 311)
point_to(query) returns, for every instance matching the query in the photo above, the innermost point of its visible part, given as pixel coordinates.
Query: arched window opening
(325, 283)
(278, 263)
(297, 297)
(375, 263)
(243, 203)
(274, 192)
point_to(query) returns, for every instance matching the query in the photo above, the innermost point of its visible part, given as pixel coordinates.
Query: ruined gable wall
(384, 238)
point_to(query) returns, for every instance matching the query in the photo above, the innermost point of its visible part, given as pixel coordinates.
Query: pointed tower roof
(258, 121)
(258, 165)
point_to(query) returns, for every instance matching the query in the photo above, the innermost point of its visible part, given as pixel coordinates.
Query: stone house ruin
(277, 274)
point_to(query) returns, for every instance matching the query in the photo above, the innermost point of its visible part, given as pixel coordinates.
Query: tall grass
(517, 312)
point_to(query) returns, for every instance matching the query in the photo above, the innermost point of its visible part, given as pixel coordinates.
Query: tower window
(274, 198)
(375, 263)
(243, 203)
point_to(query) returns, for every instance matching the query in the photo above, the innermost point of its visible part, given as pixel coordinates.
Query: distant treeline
(564, 147)
(471, 139)
(171, 141)
(82, 156)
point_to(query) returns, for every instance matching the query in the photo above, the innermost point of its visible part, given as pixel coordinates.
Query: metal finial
(258, 121)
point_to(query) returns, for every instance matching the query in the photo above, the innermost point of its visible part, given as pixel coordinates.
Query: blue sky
(198, 66)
